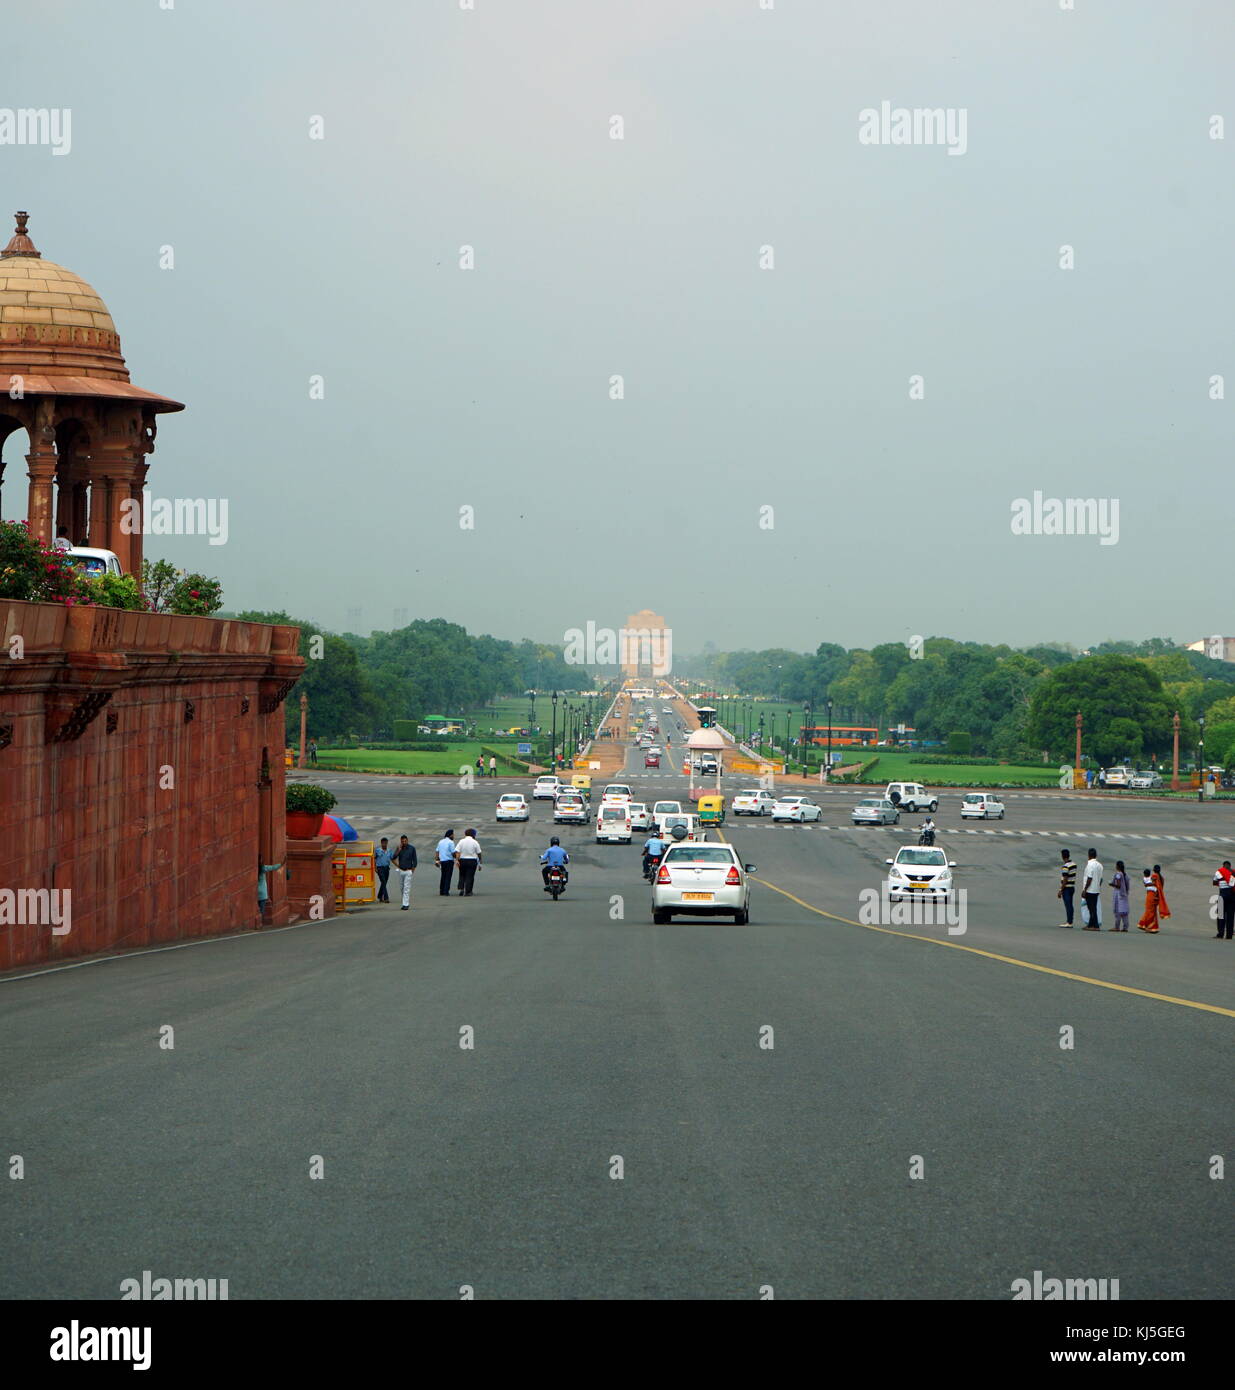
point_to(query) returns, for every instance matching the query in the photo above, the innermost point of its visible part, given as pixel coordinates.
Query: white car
(753, 803)
(546, 788)
(1118, 776)
(512, 806)
(613, 823)
(640, 816)
(1145, 780)
(920, 872)
(617, 791)
(703, 880)
(571, 809)
(875, 810)
(661, 809)
(795, 808)
(913, 796)
(688, 823)
(981, 806)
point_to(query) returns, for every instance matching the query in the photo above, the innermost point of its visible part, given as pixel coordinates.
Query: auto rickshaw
(710, 810)
(582, 782)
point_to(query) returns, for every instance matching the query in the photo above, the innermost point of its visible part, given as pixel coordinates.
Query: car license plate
(919, 885)
(697, 897)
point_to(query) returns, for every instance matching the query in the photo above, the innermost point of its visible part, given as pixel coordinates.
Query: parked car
(93, 563)
(753, 803)
(546, 788)
(796, 808)
(920, 872)
(1145, 780)
(1118, 776)
(702, 880)
(981, 806)
(875, 810)
(512, 806)
(913, 796)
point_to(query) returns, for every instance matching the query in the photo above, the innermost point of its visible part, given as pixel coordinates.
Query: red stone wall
(131, 773)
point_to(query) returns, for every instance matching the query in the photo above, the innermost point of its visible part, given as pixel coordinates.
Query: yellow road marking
(992, 955)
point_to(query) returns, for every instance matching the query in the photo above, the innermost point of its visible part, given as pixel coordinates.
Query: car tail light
(733, 876)
(663, 875)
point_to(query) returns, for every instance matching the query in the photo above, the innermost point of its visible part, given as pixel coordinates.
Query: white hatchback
(545, 788)
(981, 806)
(512, 806)
(702, 880)
(640, 816)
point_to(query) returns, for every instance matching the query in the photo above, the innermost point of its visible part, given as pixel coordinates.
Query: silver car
(703, 880)
(1145, 780)
(875, 810)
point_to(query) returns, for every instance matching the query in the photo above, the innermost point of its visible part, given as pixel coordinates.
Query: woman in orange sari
(1149, 921)
(1160, 883)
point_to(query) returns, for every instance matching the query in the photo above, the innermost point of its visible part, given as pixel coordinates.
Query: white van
(93, 563)
(913, 796)
(613, 823)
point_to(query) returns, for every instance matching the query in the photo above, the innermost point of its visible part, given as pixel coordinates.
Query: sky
(769, 476)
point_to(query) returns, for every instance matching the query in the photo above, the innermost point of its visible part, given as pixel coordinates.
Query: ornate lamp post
(805, 735)
(553, 739)
(1077, 765)
(304, 724)
(761, 733)
(828, 775)
(1200, 763)
(1175, 754)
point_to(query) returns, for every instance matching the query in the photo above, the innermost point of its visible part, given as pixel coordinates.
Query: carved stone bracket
(272, 699)
(67, 719)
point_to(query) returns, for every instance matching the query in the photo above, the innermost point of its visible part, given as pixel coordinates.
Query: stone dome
(51, 321)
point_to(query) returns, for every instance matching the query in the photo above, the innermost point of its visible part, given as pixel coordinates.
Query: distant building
(645, 646)
(1219, 648)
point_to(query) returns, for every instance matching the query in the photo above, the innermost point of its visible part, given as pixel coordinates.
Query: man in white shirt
(445, 857)
(467, 856)
(1091, 889)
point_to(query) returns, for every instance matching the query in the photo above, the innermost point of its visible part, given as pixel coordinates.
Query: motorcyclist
(928, 831)
(653, 848)
(554, 857)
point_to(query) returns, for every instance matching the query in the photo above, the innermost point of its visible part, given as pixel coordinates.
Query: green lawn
(449, 760)
(901, 767)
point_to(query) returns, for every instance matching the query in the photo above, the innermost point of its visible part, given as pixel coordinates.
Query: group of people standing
(1153, 883)
(465, 854)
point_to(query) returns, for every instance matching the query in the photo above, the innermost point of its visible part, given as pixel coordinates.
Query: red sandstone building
(141, 762)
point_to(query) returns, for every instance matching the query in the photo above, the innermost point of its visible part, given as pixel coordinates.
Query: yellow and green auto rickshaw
(711, 809)
(582, 782)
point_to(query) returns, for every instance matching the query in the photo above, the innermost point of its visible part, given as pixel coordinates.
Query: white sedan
(703, 880)
(796, 808)
(545, 788)
(920, 872)
(512, 806)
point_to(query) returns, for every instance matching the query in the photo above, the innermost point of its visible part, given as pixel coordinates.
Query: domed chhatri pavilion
(63, 380)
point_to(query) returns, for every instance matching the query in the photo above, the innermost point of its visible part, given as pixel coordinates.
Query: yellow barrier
(354, 878)
(744, 765)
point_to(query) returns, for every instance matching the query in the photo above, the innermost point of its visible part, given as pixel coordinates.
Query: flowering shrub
(117, 591)
(196, 596)
(36, 572)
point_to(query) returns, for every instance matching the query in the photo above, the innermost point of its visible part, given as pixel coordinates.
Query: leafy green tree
(1121, 700)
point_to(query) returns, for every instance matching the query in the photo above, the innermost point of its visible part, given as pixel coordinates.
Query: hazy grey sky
(744, 387)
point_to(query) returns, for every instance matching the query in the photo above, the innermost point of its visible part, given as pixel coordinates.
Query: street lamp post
(761, 733)
(805, 735)
(1200, 763)
(304, 722)
(1175, 754)
(1077, 769)
(553, 740)
(828, 774)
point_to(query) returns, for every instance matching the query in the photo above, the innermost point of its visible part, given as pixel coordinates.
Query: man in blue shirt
(653, 848)
(445, 856)
(554, 857)
(381, 862)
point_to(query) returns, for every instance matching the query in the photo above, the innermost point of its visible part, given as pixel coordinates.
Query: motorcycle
(556, 884)
(927, 837)
(649, 871)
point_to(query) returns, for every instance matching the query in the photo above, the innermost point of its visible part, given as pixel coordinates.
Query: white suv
(981, 806)
(913, 796)
(753, 803)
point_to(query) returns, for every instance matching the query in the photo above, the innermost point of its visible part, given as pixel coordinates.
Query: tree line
(361, 685)
(1014, 704)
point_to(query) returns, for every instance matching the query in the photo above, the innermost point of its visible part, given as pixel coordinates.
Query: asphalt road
(598, 1036)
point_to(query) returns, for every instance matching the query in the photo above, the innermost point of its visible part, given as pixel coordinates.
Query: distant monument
(646, 643)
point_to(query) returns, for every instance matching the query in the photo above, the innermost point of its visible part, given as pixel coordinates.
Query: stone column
(98, 505)
(137, 490)
(42, 471)
(79, 525)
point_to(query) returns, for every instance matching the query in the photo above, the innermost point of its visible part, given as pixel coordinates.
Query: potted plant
(306, 804)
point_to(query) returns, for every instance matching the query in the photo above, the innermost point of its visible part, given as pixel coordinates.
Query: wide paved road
(599, 1037)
